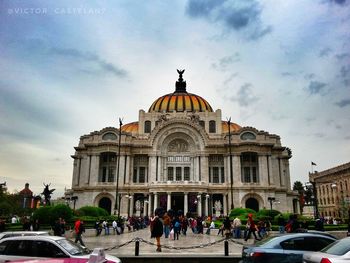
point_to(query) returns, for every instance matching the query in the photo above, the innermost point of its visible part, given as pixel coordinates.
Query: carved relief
(178, 146)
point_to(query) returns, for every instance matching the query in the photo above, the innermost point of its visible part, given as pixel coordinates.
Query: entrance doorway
(252, 203)
(177, 203)
(106, 204)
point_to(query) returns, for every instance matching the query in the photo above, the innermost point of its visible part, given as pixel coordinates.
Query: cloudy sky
(67, 69)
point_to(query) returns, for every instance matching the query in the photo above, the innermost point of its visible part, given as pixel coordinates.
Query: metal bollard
(137, 247)
(226, 248)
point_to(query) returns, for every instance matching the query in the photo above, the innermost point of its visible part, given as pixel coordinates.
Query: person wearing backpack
(177, 227)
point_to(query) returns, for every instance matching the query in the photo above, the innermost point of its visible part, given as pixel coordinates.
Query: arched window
(248, 136)
(249, 164)
(109, 136)
(147, 126)
(212, 127)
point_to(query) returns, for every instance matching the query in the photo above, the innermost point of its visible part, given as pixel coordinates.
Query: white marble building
(178, 156)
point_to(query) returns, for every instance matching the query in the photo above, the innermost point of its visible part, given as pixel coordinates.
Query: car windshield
(339, 247)
(264, 242)
(73, 248)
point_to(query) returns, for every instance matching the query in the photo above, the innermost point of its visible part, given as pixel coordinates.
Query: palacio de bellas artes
(182, 155)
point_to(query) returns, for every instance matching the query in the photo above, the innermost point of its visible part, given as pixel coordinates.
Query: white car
(23, 233)
(337, 252)
(33, 247)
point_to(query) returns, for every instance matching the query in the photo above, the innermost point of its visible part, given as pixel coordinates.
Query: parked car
(97, 256)
(337, 252)
(285, 248)
(23, 233)
(33, 247)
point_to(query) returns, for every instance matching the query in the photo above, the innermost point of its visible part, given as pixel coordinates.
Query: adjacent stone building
(332, 191)
(181, 155)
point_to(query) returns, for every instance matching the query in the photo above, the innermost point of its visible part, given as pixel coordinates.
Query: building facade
(332, 191)
(181, 155)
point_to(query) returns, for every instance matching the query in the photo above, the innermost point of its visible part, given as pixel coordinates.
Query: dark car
(287, 248)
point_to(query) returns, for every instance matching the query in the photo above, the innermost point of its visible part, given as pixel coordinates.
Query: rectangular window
(178, 174)
(170, 173)
(210, 174)
(222, 175)
(255, 178)
(111, 173)
(104, 174)
(142, 174)
(134, 178)
(246, 174)
(216, 175)
(186, 173)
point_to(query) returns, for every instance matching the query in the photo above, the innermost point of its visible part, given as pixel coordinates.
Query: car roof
(24, 233)
(53, 238)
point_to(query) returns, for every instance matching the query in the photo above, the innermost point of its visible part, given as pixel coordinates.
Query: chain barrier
(173, 247)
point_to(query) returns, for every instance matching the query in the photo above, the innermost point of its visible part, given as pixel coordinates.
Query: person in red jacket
(79, 229)
(251, 227)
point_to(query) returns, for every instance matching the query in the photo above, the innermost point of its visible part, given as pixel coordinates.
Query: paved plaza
(191, 244)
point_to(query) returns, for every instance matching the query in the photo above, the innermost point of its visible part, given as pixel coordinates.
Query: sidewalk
(191, 244)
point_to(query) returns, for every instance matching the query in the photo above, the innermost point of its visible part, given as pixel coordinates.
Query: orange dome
(180, 101)
(233, 127)
(131, 127)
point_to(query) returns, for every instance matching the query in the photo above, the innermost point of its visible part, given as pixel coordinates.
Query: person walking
(211, 226)
(79, 229)
(166, 222)
(251, 227)
(177, 227)
(236, 227)
(281, 224)
(156, 227)
(227, 227)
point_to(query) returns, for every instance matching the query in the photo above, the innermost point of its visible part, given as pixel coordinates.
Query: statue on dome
(181, 72)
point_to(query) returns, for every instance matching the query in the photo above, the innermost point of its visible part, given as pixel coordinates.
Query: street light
(117, 197)
(74, 199)
(231, 172)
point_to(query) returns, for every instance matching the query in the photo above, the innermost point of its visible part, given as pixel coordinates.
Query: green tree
(299, 187)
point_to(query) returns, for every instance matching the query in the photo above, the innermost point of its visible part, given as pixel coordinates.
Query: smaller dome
(132, 127)
(233, 127)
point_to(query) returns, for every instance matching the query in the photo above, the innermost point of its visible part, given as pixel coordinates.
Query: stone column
(145, 208)
(185, 203)
(131, 211)
(206, 203)
(150, 204)
(199, 205)
(225, 204)
(155, 201)
(168, 202)
(204, 169)
(152, 168)
(236, 163)
(94, 170)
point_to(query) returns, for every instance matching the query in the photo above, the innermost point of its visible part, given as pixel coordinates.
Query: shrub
(241, 213)
(43, 214)
(92, 211)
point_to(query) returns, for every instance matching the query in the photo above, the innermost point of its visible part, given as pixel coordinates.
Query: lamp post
(271, 200)
(117, 197)
(230, 150)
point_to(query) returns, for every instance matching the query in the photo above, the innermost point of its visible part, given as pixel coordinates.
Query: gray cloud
(90, 57)
(325, 52)
(339, 2)
(342, 56)
(319, 135)
(287, 74)
(309, 76)
(230, 78)
(316, 87)
(343, 103)
(237, 15)
(344, 71)
(225, 62)
(245, 95)
(347, 137)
